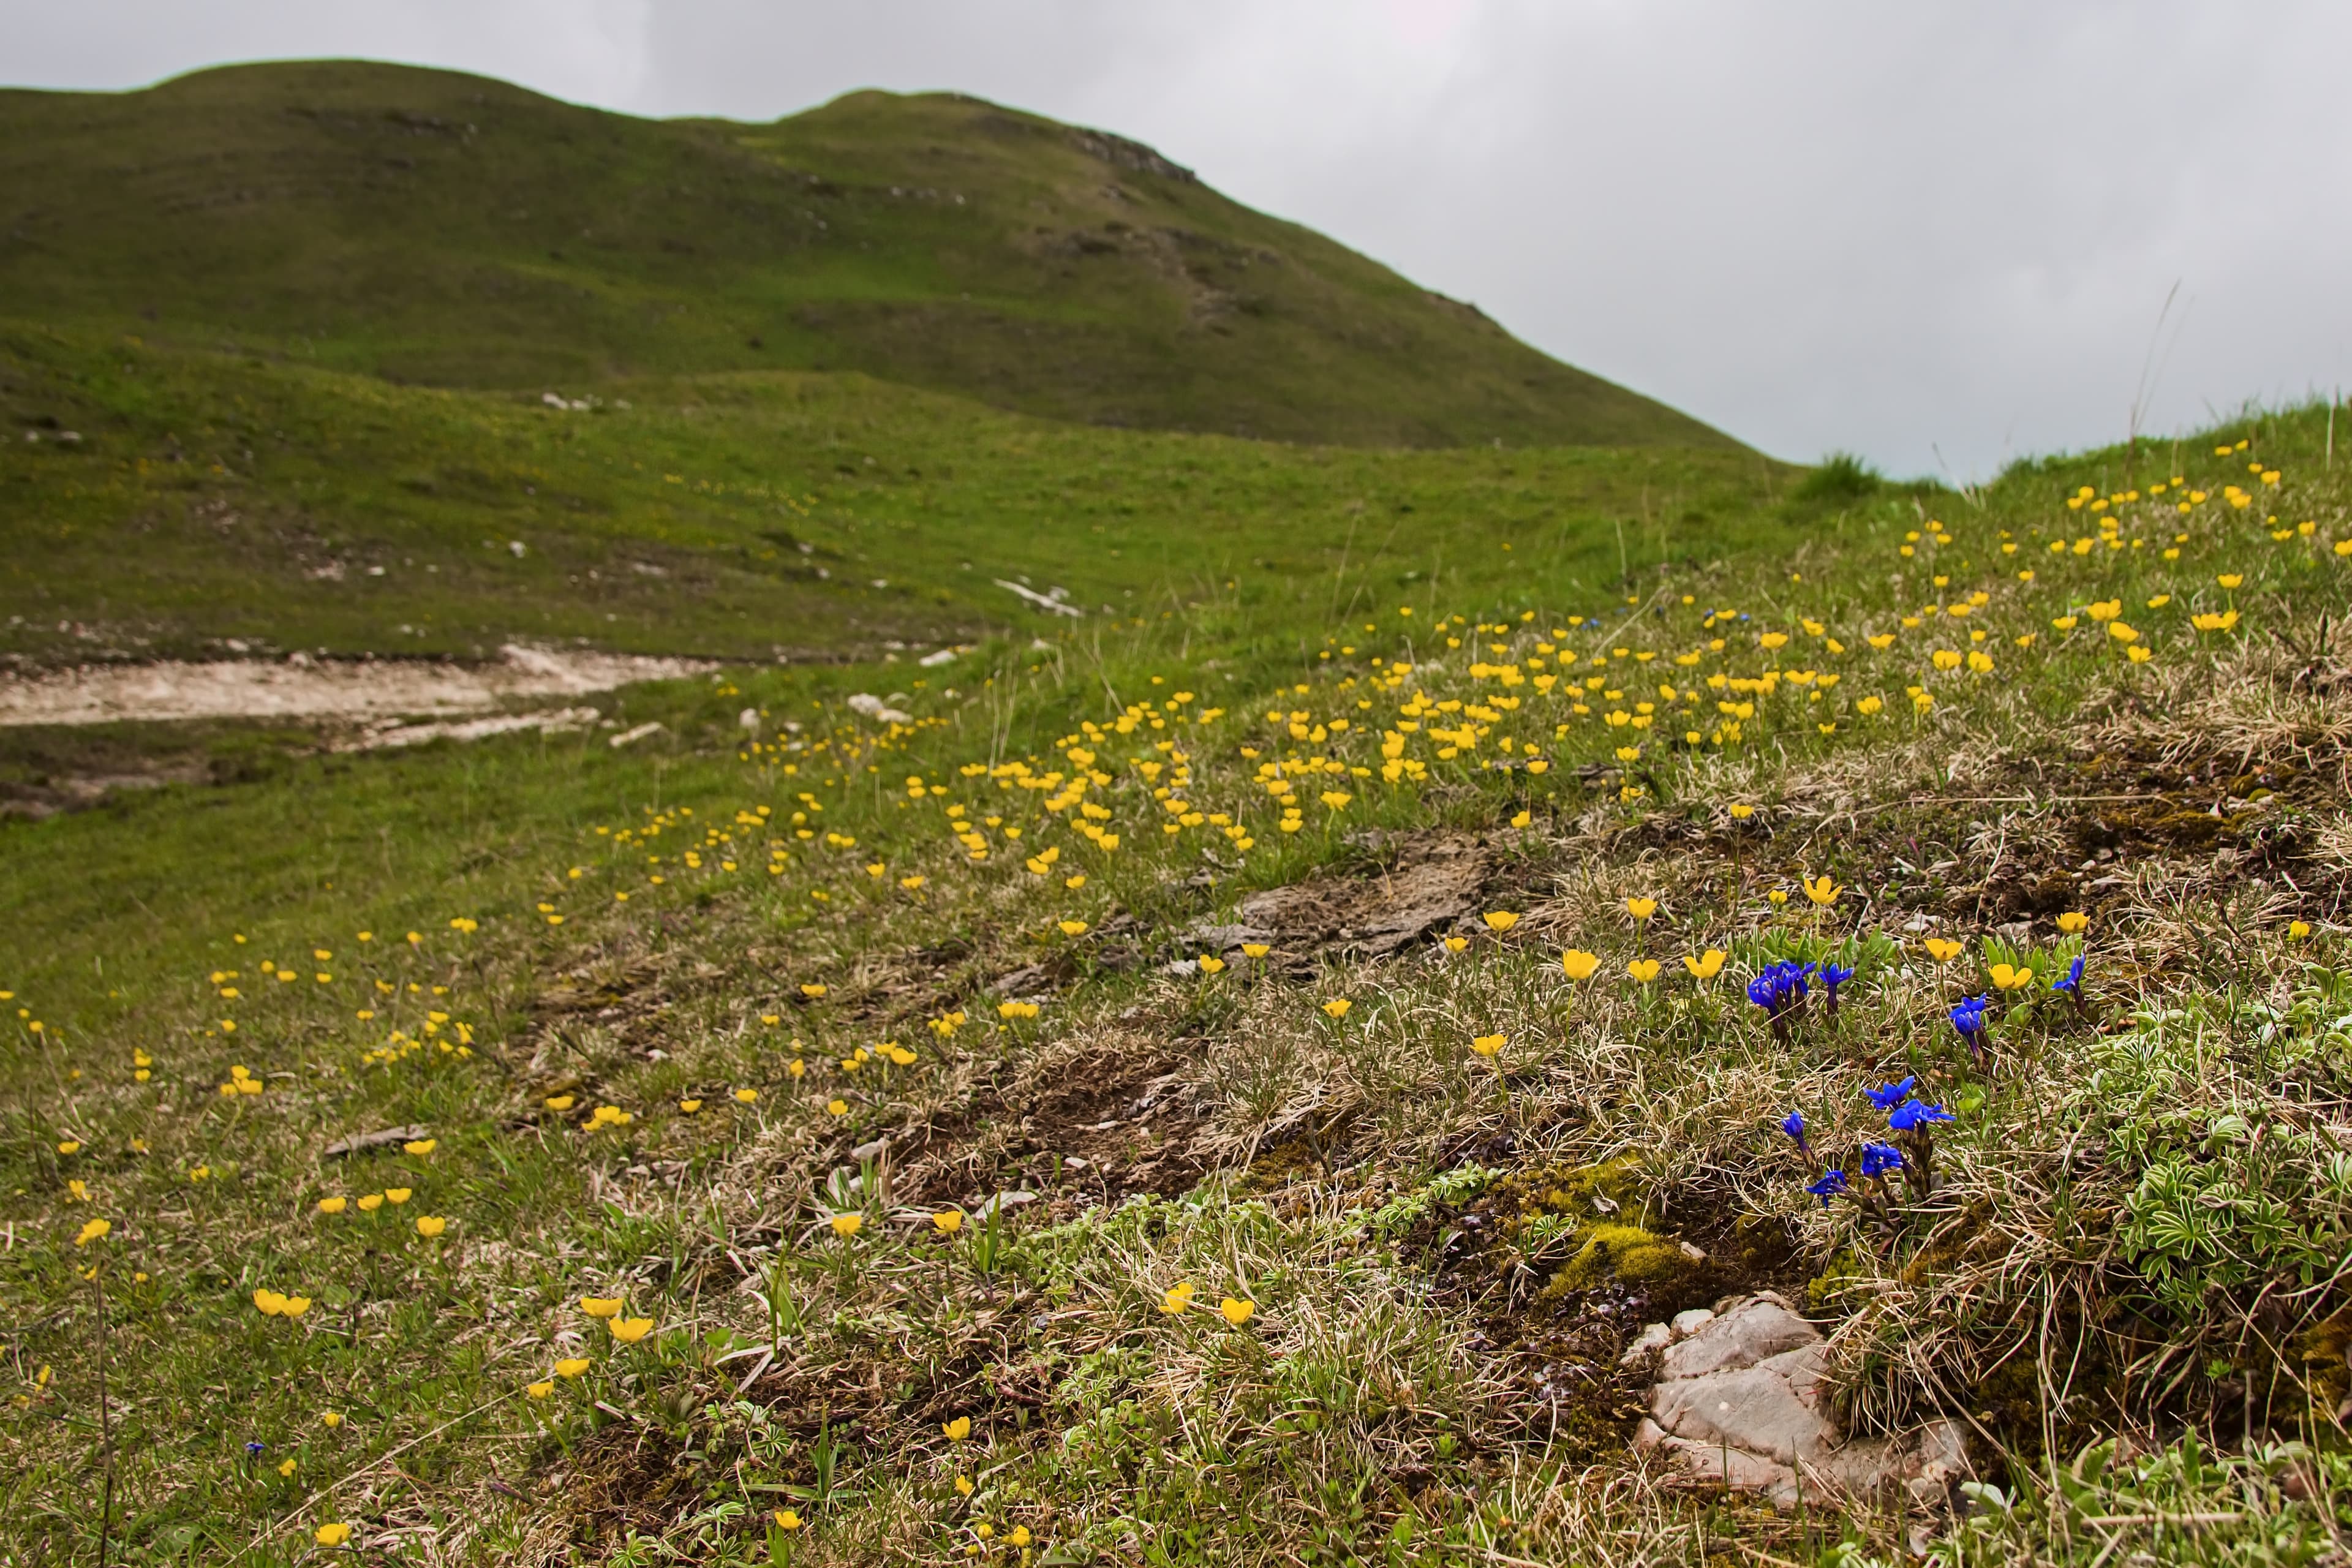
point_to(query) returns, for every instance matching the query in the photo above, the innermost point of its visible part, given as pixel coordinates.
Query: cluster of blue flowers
(1780, 990)
(1909, 1119)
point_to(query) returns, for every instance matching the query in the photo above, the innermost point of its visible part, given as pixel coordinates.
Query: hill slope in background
(448, 229)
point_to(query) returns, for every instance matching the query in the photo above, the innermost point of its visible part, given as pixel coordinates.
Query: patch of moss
(1625, 1253)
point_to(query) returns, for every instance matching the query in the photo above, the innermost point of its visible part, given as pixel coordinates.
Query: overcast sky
(1890, 228)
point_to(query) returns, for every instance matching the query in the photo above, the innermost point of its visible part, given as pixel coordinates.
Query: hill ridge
(431, 226)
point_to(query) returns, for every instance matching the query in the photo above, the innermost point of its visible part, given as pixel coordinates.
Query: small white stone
(1690, 1322)
(1657, 1337)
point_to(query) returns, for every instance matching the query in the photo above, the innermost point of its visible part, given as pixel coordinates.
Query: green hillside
(207, 496)
(427, 227)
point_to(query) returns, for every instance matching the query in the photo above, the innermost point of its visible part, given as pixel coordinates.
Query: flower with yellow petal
(1236, 1310)
(1943, 950)
(1644, 970)
(2072, 922)
(420, 1147)
(572, 1366)
(430, 1224)
(1337, 1007)
(1255, 949)
(747, 1096)
(629, 1330)
(1174, 1301)
(1487, 1045)
(398, 1194)
(1641, 908)
(786, 1519)
(1500, 920)
(1705, 965)
(958, 1430)
(947, 1221)
(1578, 964)
(540, 1389)
(1822, 890)
(690, 1105)
(332, 1205)
(601, 1306)
(92, 1230)
(847, 1225)
(332, 1535)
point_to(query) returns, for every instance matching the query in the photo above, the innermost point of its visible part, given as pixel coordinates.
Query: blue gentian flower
(1911, 1114)
(1834, 976)
(1888, 1096)
(2072, 984)
(253, 1450)
(1969, 1018)
(1793, 1124)
(1877, 1159)
(1828, 1186)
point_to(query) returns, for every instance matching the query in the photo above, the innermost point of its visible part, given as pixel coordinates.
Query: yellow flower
(2066, 623)
(847, 1225)
(2230, 580)
(812, 992)
(1641, 908)
(958, 1430)
(2074, 920)
(746, 1095)
(1236, 1310)
(1868, 706)
(1175, 1300)
(1020, 1536)
(330, 1419)
(1456, 944)
(1943, 950)
(332, 1205)
(1822, 890)
(431, 1224)
(1643, 969)
(2298, 930)
(837, 1108)
(1500, 920)
(420, 1147)
(332, 1535)
(1705, 965)
(787, 1520)
(287, 1468)
(1211, 965)
(1578, 964)
(398, 1194)
(371, 1203)
(1779, 894)
(93, 1230)
(540, 1389)
(295, 1306)
(947, 1221)
(2122, 632)
(690, 1105)
(1073, 928)
(1255, 949)
(1487, 1045)
(70, 1146)
(1741, 811)
(572, 1366)
(963, 1486)
(601, 1306)
(2007, 977)
(1338, 1007)
(268, 1302)
(629, 1330)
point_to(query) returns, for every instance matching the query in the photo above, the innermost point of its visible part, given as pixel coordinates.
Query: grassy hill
(426, 226)
(208, 496)
(959, 1210)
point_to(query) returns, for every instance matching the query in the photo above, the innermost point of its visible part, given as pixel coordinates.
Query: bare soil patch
(302, 688)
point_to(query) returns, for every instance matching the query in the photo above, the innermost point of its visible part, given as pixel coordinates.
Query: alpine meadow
(887, 838)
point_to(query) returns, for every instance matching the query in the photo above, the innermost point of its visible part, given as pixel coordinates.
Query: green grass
(424, 226)
(2139, 1230)
(747, 515)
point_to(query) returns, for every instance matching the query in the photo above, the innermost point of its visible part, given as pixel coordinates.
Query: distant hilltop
(433, 227)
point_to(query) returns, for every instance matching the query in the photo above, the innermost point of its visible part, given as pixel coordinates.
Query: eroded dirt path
(301, 688)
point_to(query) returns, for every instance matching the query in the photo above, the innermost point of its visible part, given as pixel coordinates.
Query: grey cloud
(1890, 228)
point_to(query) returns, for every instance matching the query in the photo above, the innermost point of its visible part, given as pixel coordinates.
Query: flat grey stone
(1741, 1406)
(1750, 1332)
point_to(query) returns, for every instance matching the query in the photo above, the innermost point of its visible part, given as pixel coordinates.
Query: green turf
(432, 227)
(752, 514)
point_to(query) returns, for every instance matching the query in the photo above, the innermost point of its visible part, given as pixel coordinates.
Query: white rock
(1657, 1337)
(874, 707)
(1741, 1406)
(1686, 1324)
(1747, 1334)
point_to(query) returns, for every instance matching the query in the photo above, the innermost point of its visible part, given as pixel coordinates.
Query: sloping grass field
(1226, 1077)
